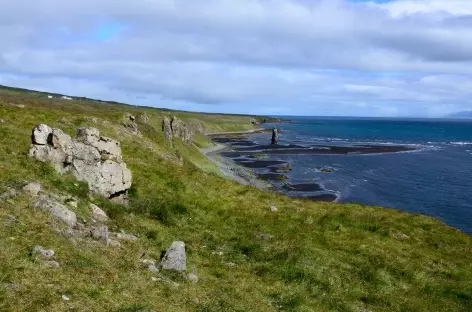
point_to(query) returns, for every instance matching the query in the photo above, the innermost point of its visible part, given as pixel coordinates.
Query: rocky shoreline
(249, 163)
(232, 170)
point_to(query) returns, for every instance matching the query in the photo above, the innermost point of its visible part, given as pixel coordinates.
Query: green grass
(322, 257)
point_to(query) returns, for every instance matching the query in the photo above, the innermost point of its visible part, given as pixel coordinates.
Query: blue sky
(287, 57)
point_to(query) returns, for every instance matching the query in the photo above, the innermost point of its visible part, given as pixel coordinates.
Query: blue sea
(434, 179)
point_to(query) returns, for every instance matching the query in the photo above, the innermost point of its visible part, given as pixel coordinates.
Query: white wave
(461, 143)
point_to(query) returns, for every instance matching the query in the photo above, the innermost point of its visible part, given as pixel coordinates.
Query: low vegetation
(306, 256)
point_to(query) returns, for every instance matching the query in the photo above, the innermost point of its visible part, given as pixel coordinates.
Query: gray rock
(56, 209)
(8, 194)
(192, 278)
(32, 188)
(100, 233)
(124, 236)
(10, 219)
(97, 213)
(177, 129)
(2, 121)
(143, 118)
(41, 134)
(180, 130)
(175, 257)
(265, 236)
(113, 243)
(166, 127)
(196, 126)
(90, 157)
(152, 268)
(273, 209)
(52, 264)
(46, 253)
(275, 136)
(148, 261)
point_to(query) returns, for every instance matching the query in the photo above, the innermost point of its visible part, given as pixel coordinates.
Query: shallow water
(434, 179)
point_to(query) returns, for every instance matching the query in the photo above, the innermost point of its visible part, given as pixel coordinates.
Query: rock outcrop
(97, 213)
(129, 122)
(56, 209)
(175, 258)
(46, 253)
(32, 188)
(90, 157)
(275, 136)
(143, 118)
(167, 129)
(174, 128)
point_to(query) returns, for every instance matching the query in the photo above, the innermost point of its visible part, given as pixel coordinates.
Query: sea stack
(275, 136)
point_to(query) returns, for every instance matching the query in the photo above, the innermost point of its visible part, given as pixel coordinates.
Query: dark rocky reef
(259, 157)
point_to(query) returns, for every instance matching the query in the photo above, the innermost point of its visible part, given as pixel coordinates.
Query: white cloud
(287, 56)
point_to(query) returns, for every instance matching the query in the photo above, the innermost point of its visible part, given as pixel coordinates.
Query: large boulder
(175, 258)
(90, 157)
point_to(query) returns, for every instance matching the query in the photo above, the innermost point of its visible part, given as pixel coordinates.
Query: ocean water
(435, 179)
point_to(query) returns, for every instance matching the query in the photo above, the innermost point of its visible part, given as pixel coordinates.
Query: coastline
(260, 130)
(231, 170)
(242, 160)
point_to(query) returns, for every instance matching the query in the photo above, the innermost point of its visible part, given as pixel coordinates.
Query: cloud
(320, 57)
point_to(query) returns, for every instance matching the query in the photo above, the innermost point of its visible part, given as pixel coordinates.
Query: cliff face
(173, 127)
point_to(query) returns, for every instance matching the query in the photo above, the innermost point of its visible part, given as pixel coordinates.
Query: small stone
(1, 121)
(10, 219)
(230, 264)
(132, 118)
(113, 243)
(32, 188)
(153, 268)
(124, 236)
(148, 261)
(265, 236)
(400, 235)
(97, 213)
(8, 194)
(10, 286)
(192, 278)
(196, 300)
(46, 253)
(175, 257)
(101, 233)
(65, 298)
(52, 264)
(273, 209)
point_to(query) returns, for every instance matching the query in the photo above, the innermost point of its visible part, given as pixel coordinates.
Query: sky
(384, 58)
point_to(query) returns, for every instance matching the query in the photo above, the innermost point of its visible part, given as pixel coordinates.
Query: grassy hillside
(304, 257)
